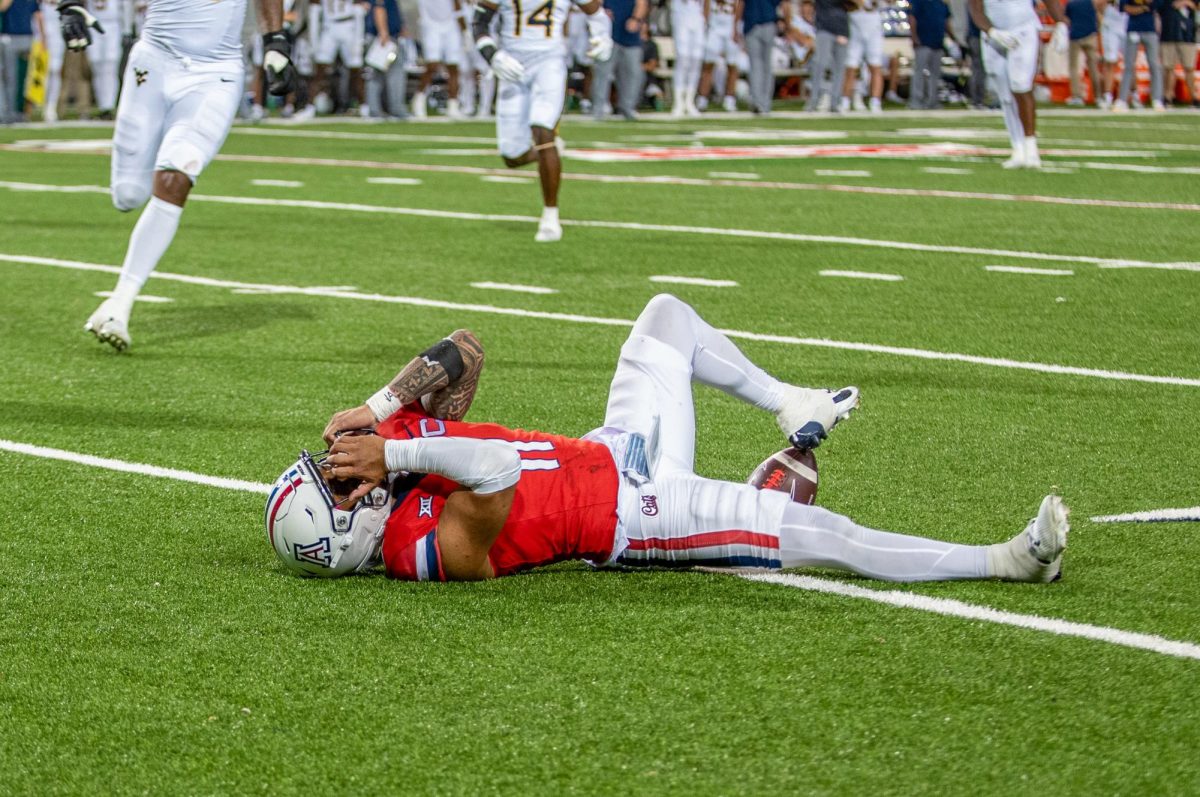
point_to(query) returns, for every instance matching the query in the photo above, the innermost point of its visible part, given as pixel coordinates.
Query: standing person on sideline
(757, 21)
(104, 56)
(530, 61)
(385, 89)
(1142, 29)
(1085, 40)
(719, 45)
(977, 82)
(1012, 31)
(16, 42)
(342, 31)
(183, 86)
(442, 499)
(866, 44)
(441, 44)
(625, 64)
(688, 18)
(1113, 25)
(929, 24)
(828, 65)
(1178, 24)
(55, 50)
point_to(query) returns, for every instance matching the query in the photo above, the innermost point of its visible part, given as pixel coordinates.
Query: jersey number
(535, 454)
(543, 15)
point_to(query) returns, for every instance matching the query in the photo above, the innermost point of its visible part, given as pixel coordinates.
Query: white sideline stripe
(1103, 262)
(501, 178)
(842, 173)
(970, 611)
(133, 467)
(142, 297)
(1150, 642)
(734, 175)
(1059, 272)
(739, 183)
(415, 301)
(1152, 516)
(861, 275)
(394, 180)
(278, 183)
(708, 283)
(508, 286)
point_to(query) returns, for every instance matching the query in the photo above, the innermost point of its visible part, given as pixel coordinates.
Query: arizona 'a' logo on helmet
(317, 553)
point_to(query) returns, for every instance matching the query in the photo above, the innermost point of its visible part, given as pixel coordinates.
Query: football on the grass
(792, 471)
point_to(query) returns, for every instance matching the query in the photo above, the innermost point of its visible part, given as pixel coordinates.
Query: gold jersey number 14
(543, 15)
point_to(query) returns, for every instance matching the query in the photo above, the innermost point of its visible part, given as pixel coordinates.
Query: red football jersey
(565, 506)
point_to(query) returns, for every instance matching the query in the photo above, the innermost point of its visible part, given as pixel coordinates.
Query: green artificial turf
(150, 643)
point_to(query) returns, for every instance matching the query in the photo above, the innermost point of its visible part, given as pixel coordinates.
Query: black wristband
(446, 354)
(279, 41)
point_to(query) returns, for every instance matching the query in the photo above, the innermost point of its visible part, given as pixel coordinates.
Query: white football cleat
(108, 328)
(809, 414)
(1034, 555)
(549, 230)
(729, 103)
(1015, 161)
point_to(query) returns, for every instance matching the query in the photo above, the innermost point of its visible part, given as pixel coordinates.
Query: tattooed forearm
(419, 377)
(452, 401)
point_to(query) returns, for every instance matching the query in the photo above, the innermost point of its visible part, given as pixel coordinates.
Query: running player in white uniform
(1012, 34)
(56, 48)
(183, 84)
(531, 62)
(1113, 27)
(719, 45)
(104, 55)
(442, 31)
(687, 29)
(866, 43)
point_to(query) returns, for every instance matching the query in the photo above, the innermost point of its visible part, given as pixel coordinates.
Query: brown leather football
(792, 471)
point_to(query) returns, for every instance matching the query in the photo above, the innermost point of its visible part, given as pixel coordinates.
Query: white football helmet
(310, 535)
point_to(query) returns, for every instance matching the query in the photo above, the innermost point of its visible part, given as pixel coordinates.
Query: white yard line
(416, 301)
(278, 183)
(1152, 516)
(1140, 169)
(1056, 272)
(945, 170)
(354, 207)
(508, 286)
(924, 193)
(394, 180)
(702, 281)
(504, 178)
(133, 467)
(974, 612)
(842, 173)
(734, 175)
(908, 600)
(861, 275)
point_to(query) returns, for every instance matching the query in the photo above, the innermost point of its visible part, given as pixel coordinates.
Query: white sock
(152, 234)
(714, 360)
(814, 537)
(550, 215)
(1031, 148)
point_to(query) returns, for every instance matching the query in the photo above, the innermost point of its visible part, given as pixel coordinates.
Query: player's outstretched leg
(806, 415)
(546, 145)
(1036, 553)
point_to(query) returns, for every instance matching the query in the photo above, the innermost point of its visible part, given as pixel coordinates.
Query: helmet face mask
(310, 533)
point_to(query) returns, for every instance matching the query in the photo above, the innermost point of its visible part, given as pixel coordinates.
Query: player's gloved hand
(1001, 40)
(76, 23)
(360, 417)
(507, 68)
(1061, 38)
(277, 60)
(600, 48)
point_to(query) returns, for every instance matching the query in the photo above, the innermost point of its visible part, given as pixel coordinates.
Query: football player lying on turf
(445, 500)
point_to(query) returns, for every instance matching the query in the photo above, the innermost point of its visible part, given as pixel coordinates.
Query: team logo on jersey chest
(425, 506)
(649, 505)
(140, 75)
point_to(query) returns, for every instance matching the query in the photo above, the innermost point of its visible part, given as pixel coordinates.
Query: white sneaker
(690, 109)
(857, 103)
(453, 109)
(876, 105)
(1015, 161)
(678, 110)
(548, 231)
(1034, 555)
(419, 110)
(809, 414)
(108, 328)
(1158, 105)
(1120, 106)
(729, 103)
(307, 112)
(702, 103)
(892, 96)
(1032, 161)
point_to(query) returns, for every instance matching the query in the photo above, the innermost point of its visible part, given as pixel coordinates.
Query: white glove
(507, 68)
(1001, 40)
(600, 48)
(1060, 39)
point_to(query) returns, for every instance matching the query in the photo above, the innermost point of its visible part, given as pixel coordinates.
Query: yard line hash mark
(702, 281)
(1055, 272)
(770, 235)
(415, 301)
(861, 275)
(508, 286)
(277, 183)
(394, 180)
(908, 600)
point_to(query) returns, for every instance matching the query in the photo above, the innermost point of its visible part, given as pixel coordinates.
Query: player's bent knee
(129, 196)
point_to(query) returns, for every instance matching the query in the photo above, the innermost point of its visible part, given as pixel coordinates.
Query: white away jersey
(200, 30)
(335, 10)
(533, 26)
(1010, 14)
(436, 10)
(108, 12)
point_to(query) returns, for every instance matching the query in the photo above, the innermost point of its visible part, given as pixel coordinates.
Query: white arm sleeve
(599, 24)
(482, 466)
